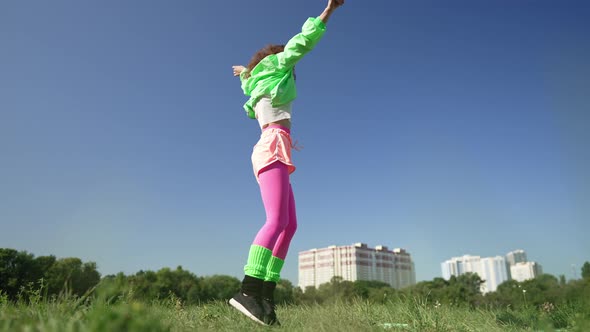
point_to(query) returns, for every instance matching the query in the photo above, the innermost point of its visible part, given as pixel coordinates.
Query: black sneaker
(249, 306)
(270, 316)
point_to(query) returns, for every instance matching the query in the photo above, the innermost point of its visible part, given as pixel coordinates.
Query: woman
(269, 80)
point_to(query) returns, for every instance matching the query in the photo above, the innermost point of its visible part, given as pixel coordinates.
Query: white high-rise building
(356, 262)
(516, 256)
(493, 270)
(457, 266)
(525, 270)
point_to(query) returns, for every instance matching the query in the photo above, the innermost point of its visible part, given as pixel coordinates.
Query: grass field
(170, 315)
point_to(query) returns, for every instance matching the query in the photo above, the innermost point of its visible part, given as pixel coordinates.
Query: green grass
(402, 315)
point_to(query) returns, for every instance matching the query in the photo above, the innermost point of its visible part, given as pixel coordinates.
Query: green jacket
(273, 75)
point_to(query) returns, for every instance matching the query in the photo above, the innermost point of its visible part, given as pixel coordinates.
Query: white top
(266, 113)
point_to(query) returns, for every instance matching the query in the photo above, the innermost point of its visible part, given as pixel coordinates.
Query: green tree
(337, 289)
(586, 270)
(43, 264)
(381, 294)
(71, 275)
(577, 293)
(365, 288)
(218, 287)
(544, 288)
(464, 289)
(284, 293)
(17, 271)
(311, 295)
(143, 285)
(113, 288)
(507, 293)
(179, 282)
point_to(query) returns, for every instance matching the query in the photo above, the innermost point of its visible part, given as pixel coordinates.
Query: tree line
(23, 274)
(21, 271)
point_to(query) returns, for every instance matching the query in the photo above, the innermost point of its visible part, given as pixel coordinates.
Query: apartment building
(356, 262)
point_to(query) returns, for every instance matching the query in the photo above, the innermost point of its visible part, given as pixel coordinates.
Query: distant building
(457, 266)
(516, 256)
(493, 270)
(525, 270)
(356, 262)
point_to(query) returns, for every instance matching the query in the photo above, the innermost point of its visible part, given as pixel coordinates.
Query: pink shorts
(274, 145)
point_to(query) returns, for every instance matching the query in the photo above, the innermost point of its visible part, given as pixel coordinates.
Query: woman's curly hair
(263, 53)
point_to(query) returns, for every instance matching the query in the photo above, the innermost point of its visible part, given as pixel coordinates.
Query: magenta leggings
(279, 204)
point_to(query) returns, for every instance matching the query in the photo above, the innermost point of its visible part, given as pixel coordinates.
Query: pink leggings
(279, 204)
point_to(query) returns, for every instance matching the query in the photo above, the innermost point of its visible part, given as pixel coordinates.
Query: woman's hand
(238, 70)
(333, 4)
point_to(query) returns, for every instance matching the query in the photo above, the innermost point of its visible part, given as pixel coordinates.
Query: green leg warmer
(258, 260)
(273, 269)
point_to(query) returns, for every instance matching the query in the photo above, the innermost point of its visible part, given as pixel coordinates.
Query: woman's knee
(292, 226)
(278, 223)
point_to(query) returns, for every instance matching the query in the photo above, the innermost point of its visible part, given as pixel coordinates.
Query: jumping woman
(269, 81)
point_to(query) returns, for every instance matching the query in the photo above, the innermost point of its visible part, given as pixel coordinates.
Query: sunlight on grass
(71, 314)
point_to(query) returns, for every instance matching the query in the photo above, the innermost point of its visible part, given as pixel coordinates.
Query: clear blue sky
(446, 128)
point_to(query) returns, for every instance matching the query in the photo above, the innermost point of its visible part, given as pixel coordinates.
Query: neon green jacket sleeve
(312, 31)
(273, 75)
